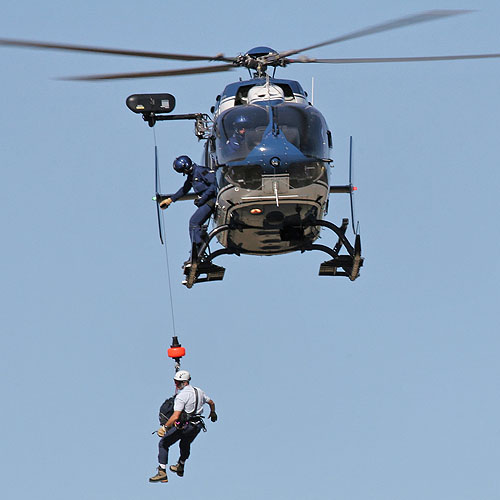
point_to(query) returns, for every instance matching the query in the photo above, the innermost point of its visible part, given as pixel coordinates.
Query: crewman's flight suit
(235, 142)
(203, 182)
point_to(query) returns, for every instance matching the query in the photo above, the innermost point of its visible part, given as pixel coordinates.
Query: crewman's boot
(161, 476)
(193, 257)
(178, 468)
(195, 248)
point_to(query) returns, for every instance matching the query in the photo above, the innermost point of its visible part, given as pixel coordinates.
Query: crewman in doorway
(202, 180)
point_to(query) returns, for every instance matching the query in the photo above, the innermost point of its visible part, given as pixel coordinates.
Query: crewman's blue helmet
(183, 164)
(240, 122)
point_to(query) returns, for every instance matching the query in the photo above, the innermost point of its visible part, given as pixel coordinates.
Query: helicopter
(273, 188)
(273, 191)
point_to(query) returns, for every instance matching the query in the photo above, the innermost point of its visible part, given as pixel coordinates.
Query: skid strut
(201, 269)
(350, 263)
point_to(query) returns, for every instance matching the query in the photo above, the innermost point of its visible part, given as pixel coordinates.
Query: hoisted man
(203, 182)
(183, 425)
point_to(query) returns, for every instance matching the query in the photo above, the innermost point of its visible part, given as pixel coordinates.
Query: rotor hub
(259, 58)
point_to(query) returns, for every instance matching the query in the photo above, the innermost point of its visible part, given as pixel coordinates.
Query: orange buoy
(176, 352)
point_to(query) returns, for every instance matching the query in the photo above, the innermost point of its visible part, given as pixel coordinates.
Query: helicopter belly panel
(272, 220)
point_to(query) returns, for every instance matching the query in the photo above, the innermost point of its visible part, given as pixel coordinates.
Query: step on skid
(202, 272)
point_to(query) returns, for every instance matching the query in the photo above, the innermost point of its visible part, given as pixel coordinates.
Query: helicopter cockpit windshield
(239, 131)
(301, 131)
(305, 128)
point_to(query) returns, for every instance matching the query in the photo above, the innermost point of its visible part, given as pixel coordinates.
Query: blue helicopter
(273, 189)
(270, 149)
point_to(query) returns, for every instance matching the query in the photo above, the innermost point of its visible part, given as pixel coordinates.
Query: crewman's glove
(161, 431)
(213, 416)
(165, 203)
(199, 202)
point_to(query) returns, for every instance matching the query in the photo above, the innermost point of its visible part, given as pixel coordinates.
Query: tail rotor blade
(157, 191)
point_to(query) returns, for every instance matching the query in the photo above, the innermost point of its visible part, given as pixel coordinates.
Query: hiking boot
(161, 476)
(178, 468)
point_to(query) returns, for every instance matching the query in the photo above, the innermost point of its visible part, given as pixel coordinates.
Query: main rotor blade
(101, 50)
(151, 74)
(430, 15)
(391, 59)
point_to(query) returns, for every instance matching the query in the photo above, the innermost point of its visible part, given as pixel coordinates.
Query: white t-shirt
(186, 398)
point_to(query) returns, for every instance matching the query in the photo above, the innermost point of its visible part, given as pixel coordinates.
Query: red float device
(176, 351)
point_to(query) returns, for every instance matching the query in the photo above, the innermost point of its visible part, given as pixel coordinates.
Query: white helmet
(182, 376)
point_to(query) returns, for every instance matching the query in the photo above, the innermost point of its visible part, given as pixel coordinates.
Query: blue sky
(386, 388)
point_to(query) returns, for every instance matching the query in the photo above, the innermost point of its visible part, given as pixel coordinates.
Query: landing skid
(200, 269)
(350, 263)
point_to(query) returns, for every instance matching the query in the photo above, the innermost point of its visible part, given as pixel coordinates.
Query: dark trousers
(198, 219)
(186, 437)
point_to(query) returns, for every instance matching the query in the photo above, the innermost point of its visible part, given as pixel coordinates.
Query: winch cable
(161, 224)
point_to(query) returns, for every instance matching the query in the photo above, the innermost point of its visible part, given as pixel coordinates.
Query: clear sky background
(382, 389)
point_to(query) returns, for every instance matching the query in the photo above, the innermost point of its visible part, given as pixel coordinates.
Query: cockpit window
(239, 130)
(304, 127)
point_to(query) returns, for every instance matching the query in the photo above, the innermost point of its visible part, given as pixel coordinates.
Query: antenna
(312, 91)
